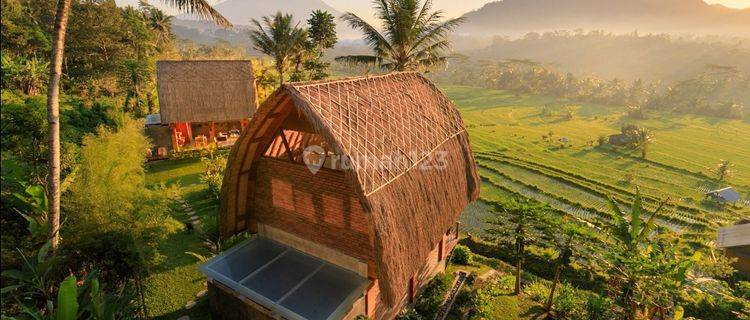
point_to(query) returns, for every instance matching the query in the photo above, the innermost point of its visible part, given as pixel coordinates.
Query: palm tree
(279, 39)
(158, 21)
(413, 38)
(644, 139)
(198, 7)
(724, 170)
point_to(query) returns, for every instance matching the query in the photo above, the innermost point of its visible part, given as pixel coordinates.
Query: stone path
(193, 219)
(443, 312)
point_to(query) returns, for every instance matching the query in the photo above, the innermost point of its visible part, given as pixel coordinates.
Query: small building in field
(354, 188)
(724, 195)
(619, 139)
(202, 103)
(736, 240)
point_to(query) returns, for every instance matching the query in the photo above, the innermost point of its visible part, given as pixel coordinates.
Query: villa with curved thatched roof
(354, 187)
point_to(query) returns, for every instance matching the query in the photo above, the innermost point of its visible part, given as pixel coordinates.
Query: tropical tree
(53, 121)
(413, 38)
(197, 7)
(568, 239)
(321, 36)
(640, 259)
(321, 31)
(724, 170)
(644, 139)
(279, 39)
(518, 223)
(159, 22)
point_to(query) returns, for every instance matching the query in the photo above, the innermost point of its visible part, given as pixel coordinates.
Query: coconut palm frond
(374, 39)
(201, 8)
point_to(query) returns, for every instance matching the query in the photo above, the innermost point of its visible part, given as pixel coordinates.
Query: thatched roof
(371, 117)
(203, 91)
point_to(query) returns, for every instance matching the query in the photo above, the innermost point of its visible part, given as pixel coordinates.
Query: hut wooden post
(173, 131)
(189, 128)
(212, 133)
(458, 227)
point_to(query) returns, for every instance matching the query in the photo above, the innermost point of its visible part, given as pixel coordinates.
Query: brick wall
(432, 266)
(321, 207)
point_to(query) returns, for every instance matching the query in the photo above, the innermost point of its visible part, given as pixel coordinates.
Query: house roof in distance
(727, 194)
(734, 236)
(207, 90)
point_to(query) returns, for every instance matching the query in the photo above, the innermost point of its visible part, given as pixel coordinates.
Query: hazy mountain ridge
(630, 56)
(517, 17)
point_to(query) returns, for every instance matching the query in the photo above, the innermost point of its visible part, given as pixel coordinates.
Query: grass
(506, 133)
(176, 280)
(512, 307)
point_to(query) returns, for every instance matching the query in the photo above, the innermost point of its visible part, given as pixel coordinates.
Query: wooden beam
(286, 145)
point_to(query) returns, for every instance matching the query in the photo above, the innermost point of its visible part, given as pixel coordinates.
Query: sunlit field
(576, 175)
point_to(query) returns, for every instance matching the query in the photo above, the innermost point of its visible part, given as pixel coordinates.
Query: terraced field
(507, 138)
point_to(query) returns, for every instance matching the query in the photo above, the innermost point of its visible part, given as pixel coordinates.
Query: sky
(452, 8)
(741, 4)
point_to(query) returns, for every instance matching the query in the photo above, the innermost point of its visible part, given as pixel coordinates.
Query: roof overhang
(290, 282)
(734, 236)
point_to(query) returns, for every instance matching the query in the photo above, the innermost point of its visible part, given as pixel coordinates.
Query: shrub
(569, 303)
(431, 298)
(481, 301)
(410, 314)
(507, 282)
(462, 255)
(362, 317)
(462, 302)
(602, 140)
(114, 254)
(109, 192)
(537, 291)
(743, 290)
(213, 175)
(599, 308)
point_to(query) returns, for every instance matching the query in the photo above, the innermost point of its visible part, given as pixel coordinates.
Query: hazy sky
(452, 8)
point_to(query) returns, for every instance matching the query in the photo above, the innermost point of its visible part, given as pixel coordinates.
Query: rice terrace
(577, 177)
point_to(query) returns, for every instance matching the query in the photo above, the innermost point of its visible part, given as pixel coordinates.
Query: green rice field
(507, 130)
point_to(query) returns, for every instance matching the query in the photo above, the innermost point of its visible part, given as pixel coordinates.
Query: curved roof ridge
(347, 79)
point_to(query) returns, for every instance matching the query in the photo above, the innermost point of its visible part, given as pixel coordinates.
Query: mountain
(518, 17)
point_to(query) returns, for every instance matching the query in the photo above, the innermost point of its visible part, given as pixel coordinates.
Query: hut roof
(727, 194)
(400, 116)
(734, 236)
(203, 91)
(152, 119)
